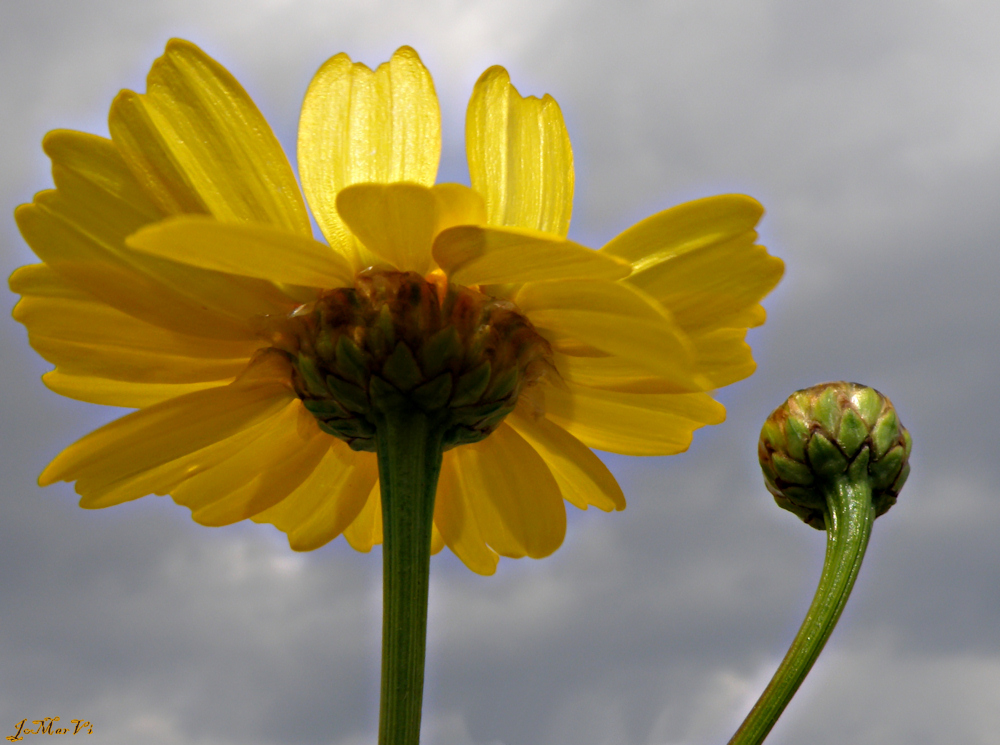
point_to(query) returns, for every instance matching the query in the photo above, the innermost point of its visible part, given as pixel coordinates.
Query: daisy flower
(180, 276)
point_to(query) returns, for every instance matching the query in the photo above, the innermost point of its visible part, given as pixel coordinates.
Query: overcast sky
(870, 131)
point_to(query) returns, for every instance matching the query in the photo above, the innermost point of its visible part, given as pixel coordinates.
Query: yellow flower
(178, 257)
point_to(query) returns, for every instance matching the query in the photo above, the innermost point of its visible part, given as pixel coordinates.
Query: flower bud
(833, 431)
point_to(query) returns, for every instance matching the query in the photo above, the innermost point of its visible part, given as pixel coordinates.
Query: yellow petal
(163, 478)
(41, 280)
(519, 155)
(259, 475)
(713, 286)
(359, 126)
(366, 530)
(582, 477)
(722, 356)
(169, 430)
(457, 204)
(618, 373)
(324, 506)
(80, 228)
(437, 540)
(481, 255)
(613, 318)
(630, 423)
(197, 143)
(87, 337)
(456, 520)
(519, 509)
(396, 222)
(686, 227)
(246, 250)
(128, 394)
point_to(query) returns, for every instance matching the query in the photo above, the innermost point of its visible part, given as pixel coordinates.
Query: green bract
(397, 342)
(833, 431)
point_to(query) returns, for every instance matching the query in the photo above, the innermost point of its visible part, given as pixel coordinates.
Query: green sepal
(885, 470)
(434, 393)
(351, 361)
(797, 435)
(885, 433)
(470, 386)
(501, 386)
(772, 433)
(352, 428)
(325, 408)
(401, 368)
(869, 404)
(351, 397)
(827, 411)
(852, 432)
(440, 350)
(385, 397)
(791, 470)
(311, 376)
(825, 457)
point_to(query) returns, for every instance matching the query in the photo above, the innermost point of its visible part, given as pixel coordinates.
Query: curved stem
(849, 515)
(409, 462)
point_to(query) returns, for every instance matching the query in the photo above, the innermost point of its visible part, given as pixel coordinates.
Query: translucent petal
(197, 143)
(714, 286)
(163, 478)
(582, 477)
(613, 318)
(481, 255)
(119, 392)
(156, 435)
(87, 337)
(247, 250)
(79, 231)
(60, 316)
(267, 488)
(519, 510)
(686, 227)
(616, 373)
(366, 530)
(630, 423)
(396, 222)
(457, 204)
(519, 155)
(323, 507)
(257, 476)
(722, 356)
(344, 491)
(358, 126)
(456, 520)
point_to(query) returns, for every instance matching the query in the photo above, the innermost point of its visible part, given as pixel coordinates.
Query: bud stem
(849, 515)
(409, 461)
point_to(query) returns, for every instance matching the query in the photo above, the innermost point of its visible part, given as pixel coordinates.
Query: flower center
(398, 341)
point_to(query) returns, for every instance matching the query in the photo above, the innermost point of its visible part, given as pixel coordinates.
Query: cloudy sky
(871, 133)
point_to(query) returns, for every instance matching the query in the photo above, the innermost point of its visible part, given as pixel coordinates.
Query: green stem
(409, 461)
(849, 515)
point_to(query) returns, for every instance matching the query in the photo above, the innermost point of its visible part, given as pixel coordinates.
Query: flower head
(180, 276)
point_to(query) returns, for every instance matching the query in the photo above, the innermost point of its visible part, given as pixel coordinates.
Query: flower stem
(849, 515)
(409, 461)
